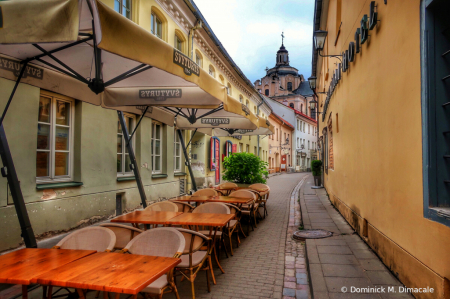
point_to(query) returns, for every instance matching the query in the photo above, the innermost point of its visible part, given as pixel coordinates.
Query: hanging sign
(160, 94)
(185, 62)
(215, 121)
(15, 67)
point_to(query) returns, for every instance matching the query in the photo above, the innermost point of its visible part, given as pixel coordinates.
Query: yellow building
(385, 123)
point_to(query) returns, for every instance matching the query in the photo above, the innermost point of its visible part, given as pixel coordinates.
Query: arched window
(241, 98)
(291, 105)
(212, 71)
(289, 86)
(180, 41)
(123, 7)
(222, 80)
(301, 108)
(198, 58)
(158, 23)
(254, 109)
(229, 90)
(266, 92)
(247, 103)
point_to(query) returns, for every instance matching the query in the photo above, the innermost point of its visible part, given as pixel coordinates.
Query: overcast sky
(250, 31)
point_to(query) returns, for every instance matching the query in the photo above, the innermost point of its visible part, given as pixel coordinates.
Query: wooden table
(214, 221)
(25, 265)
(110, 272)
(146, 217)
(223, 199)
(192, 198)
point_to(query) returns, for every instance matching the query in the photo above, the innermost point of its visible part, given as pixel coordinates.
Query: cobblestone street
(257, 268)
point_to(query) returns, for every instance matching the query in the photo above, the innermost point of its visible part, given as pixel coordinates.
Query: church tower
(282, 54)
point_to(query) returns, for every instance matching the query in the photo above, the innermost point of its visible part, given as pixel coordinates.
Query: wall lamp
(319, 42)
(312, 83)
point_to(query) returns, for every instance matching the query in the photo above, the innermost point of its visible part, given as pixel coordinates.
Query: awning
(232, 114)
(102, 49)
(265, 128)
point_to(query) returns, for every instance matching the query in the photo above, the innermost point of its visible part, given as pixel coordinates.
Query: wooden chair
(124, 233)
(235, 226)
(183, 206)
(194, 258)
(263, 196)
(205, 192)
(166, 205)
(248, 210)
(162, 241)
(96, 238)
(227, 188)
(217, 208)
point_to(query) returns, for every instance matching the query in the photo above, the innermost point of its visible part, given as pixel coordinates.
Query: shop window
(123, 7)
(177, 152)
(156, 25)
(436, 109)
(55, 138)
(123, 157)
(212, 71)
(157, 141)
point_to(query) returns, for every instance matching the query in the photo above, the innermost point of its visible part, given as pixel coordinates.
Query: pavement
(341, 266)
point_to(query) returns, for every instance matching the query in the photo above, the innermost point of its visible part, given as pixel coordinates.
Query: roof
(302, 114)
(283, 120)
(304, 89)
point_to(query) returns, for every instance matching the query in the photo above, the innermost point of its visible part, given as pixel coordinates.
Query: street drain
(311, 234)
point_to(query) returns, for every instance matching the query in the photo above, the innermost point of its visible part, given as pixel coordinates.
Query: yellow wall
(378, 151)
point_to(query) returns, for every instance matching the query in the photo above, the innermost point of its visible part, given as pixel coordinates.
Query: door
(217, 158)
(283, 163)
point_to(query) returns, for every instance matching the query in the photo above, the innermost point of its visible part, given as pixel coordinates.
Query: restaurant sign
(190, 67)
(15, 67)
(214, 121)
(160, 94)
(242, 131)
(245, 109)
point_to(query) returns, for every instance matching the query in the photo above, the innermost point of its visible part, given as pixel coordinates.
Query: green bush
(245, 168)
(316, 167)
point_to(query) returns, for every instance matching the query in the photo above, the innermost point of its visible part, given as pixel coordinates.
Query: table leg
(44, 292)
(117, 296)
(24, 292)
(81, 294)
(215, 250)
(105, 295)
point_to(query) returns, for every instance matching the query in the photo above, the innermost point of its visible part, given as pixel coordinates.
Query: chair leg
(191, 279)
(231, 242)
(242, 231)
(207, 281)
(224, 245)
(211, 269)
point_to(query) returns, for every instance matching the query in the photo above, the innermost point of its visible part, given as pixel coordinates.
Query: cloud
(250, 31)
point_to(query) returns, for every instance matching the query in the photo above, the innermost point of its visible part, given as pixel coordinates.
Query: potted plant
(245, 169)
(316, 167)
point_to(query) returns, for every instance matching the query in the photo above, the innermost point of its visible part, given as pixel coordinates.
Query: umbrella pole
(133, 165)
(188, 164)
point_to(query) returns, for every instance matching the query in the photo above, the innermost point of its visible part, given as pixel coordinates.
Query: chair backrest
(259, 187)
(227, 185)
(89, 238)
(205, 192)
(124, 233)
(212, 207)
(183, 206)
(194, 239)
(166, 206)
(161, 241)
(243, 194)
(233, 208)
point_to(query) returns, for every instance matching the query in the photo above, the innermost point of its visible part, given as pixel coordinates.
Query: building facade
(280, 144)
(71, 157)
(384, 125)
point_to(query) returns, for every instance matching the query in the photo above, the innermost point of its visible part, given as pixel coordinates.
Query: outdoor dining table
(214, 221)
(146, 217)
(223, 199)
(25, 265)
(109, 272)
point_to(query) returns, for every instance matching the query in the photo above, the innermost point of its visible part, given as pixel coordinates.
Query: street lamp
(312, 82)
(319, 39)
(312, 104)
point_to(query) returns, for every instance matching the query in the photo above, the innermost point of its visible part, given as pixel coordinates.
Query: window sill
(179, 174)
(441, 215)
(126, 178)
(159, 176)
(58, 185)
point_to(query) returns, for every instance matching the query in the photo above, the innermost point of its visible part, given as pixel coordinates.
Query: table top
(224, 199)
(146, 217)
(191, 198)
(24, 265)
(110, 272)
(207, 219)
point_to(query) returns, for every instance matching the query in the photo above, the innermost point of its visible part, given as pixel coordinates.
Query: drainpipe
(198, 25)
(257, 112)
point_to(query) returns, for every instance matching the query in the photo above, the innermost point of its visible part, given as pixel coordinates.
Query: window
(222, 80)
(254, 109)
(241, 98)
(156, 26)
(178, 43)
(247, 148)
(304, 127)
(308, 144)
(435, 97)
(301, 108)
(198, 58)
(289, 86)
(241, 147)
(156, 148)
(229, 90)
(309, 129)
(177, 152)
(254, 151)
(277, 134)
(123, 157)
(291, 105)
(266, 92)
(247, 103)
(123, 7)
(55, 138)
(212, 71)
(298, 142)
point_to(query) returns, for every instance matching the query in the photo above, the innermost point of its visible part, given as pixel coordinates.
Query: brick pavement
(257, 268)
(343, 260)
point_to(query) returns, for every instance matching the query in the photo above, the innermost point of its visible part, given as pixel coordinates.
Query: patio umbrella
(264, 128)
(81, 48)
